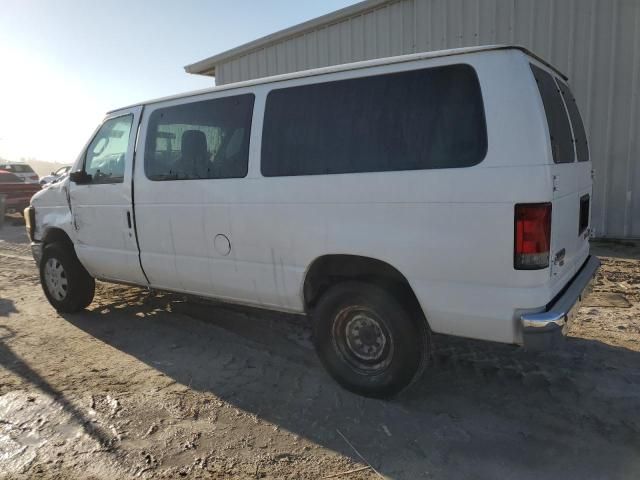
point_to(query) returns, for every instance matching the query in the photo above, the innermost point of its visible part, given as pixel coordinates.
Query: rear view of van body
(445, 192)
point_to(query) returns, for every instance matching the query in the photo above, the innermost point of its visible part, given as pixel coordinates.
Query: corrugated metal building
(595, 42)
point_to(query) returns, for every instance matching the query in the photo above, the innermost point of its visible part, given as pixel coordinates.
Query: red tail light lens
(34, 177)
(532, 236)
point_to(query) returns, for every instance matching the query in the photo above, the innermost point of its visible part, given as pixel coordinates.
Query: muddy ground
(147, 385)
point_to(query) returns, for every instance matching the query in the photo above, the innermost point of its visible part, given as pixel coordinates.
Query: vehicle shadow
(19, 367)
(482, 410)
(7, 307)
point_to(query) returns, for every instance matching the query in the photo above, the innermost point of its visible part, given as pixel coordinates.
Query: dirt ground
(148, 385)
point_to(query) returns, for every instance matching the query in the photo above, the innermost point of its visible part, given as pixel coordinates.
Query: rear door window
(557, 119)
(579, 133)
(200, 140)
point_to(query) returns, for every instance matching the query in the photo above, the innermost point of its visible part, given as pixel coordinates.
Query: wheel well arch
(57, 235)
(329, 269)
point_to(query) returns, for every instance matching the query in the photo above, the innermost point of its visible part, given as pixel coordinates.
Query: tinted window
(579, 134)
(208, 139)
(17, 168)
(422, 119)
(105, 156)
(6, 177)
(559, 128)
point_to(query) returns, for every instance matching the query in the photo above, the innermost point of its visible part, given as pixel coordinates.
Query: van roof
(349, 66)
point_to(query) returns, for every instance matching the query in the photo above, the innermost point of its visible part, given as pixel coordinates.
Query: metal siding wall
(596, 42)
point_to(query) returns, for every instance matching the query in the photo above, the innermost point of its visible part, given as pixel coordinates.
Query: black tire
(368, 341)
(80, 286)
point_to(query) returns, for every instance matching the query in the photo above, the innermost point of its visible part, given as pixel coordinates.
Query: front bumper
(545, 330)
(36, 251)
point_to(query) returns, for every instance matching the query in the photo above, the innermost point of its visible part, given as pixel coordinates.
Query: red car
(18, 193)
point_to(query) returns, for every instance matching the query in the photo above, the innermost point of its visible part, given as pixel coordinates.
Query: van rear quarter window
(200, 140)
(557, 120)
(421, 119)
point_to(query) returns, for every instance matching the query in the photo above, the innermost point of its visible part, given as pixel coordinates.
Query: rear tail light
(532, 236)
(34, 177)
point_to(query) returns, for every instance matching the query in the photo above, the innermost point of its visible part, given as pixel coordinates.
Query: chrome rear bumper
(544, 330)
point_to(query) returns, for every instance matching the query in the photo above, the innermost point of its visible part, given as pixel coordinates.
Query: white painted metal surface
(449, 232)
(595, 42)
(103, 236)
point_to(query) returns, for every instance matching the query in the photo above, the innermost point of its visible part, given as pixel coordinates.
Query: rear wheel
(368, 341)
(66, 283)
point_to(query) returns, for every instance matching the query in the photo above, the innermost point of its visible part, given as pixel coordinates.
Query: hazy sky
(64, 63)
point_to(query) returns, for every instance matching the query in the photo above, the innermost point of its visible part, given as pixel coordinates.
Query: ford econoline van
(445, 192)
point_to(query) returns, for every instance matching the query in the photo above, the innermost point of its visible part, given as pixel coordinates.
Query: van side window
(420, 119)
(200, 140)
(579, 134)
(105, 156)
(557, 119)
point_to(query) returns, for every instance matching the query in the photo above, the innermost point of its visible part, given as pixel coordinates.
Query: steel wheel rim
(56, 279)
(361, 338)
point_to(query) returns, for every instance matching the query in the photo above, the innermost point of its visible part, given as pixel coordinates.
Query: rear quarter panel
(448, 231)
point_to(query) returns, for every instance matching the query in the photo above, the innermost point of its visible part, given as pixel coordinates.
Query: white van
(444, 192)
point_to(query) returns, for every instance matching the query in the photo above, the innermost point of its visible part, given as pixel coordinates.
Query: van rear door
(571, 177)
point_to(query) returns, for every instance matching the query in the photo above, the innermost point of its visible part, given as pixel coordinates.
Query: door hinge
(555, 183)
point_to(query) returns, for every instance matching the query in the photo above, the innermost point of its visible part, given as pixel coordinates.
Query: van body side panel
(450, 232)
(460, 270)
(190, 230)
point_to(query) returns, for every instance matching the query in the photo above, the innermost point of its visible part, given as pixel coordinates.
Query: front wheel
(370, 343)
(66, 284)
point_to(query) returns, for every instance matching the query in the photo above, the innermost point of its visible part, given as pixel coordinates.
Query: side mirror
(80, 177)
